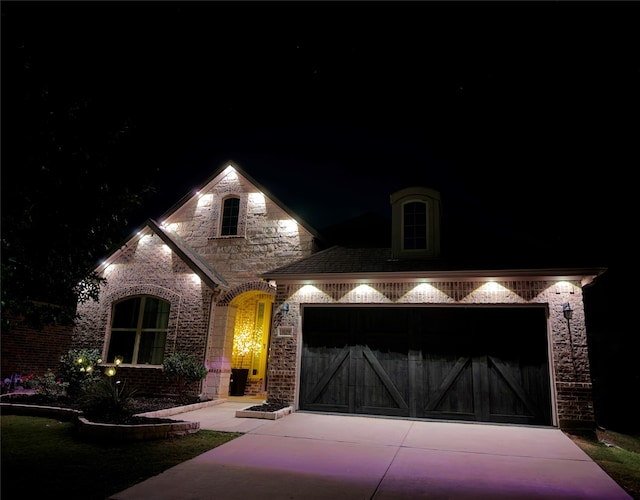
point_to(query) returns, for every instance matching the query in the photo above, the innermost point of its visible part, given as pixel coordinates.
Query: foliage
(79, 368)
(67, 467)
(107, 396)
(48, 385)
(25, 380)
(617, 454)
(60, 148)
(184, 369)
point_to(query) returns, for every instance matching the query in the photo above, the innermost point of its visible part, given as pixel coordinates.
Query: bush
(79, 368)
(106, 396)
(49, 386)
(184, 369)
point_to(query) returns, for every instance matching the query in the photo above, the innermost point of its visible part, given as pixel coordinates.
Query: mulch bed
(140, 404)
(135, 405)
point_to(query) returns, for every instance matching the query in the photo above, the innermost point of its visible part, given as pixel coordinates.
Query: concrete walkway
(318, 456)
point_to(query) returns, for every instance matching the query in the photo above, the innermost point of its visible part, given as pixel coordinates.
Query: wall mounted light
(567, 311)
(568, 314)
(285, 308)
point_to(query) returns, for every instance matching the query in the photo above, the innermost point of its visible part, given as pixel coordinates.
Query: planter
(66, 414)
(269, 415)
(144, 432)
(104, 432)
(239, 378)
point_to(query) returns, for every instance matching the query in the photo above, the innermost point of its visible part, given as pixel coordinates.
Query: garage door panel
(515, 390)
(450, 386)
(325, 379)
(381, 380)
(506, 397)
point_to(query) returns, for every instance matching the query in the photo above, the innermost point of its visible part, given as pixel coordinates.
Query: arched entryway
(251, 331)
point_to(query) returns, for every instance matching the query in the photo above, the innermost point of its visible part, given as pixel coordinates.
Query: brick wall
(568, 341)
(26, 350)
(268, 238)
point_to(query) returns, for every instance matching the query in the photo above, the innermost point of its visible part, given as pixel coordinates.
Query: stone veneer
(200, 318)
(570, 371)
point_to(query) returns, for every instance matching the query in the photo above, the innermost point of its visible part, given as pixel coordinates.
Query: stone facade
(569, 361)
(268, 237)
(203, 315)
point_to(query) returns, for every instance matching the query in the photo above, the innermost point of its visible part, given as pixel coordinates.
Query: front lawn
(43, 458)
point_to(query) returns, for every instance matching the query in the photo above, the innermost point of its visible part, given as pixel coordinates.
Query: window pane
(121, 344)
(151, 350)
(147, 338)
(230, 217)
(125, 314)
(415, 226)
(156, 313)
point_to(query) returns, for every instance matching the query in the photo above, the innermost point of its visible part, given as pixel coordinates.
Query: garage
(472, 363)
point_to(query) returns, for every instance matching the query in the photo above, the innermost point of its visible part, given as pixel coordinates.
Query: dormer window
(230, 213)
(415, 223)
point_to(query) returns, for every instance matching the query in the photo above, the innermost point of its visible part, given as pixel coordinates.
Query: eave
(585, 275)
(189, 256)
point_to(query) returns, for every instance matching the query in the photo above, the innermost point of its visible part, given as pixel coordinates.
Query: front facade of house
(190, 284)
(383, 331)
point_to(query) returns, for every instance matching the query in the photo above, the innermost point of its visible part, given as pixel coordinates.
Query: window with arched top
(415, 223)
(139, 330)
(230, 216)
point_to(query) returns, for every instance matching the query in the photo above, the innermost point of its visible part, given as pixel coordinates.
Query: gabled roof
(219, 172)
(192, 254)
(340, 263)
(190, 257)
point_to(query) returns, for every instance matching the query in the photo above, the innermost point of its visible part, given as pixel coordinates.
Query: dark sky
(524, 115)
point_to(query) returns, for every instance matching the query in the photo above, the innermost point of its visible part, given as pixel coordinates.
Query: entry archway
(251, 335)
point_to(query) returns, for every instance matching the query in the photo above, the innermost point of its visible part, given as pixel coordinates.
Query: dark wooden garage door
(478, 363)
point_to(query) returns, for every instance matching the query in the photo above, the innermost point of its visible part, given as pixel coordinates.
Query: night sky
(523, 115)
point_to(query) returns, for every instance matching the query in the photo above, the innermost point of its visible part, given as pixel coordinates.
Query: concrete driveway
(318, 456)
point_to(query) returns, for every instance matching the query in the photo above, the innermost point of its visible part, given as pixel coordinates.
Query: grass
(617, 454)
(43, 458)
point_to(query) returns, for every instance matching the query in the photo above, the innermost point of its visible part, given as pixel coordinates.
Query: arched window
(230, 211)
(139, 331)
(415, 226)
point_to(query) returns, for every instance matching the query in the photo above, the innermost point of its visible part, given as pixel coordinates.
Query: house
(234, 277)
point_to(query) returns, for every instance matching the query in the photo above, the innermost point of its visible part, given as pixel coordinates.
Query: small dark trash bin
(238, 381)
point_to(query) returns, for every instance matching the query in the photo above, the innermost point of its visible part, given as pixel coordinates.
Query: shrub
(106, 396)
(79, 368)
(184, 369)
(48, 385)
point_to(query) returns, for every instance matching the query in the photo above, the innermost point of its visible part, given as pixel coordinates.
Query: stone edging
(167, 412)
(39, 411)
(96, 430)
(269, 415)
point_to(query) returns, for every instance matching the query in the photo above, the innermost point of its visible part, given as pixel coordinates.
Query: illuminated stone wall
(570, 373)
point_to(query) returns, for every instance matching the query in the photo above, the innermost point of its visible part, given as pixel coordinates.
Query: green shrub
(48, 385)
(184, 369)
(79, 368)
(106, 396)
